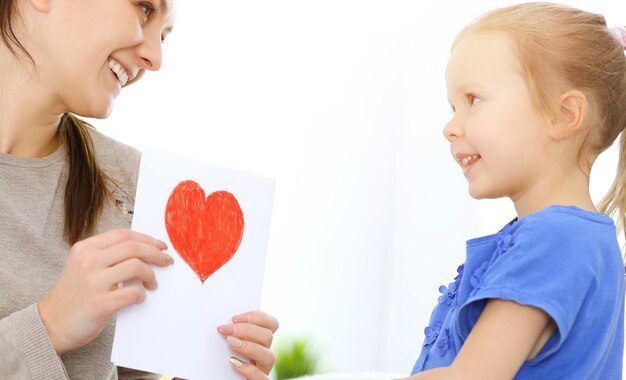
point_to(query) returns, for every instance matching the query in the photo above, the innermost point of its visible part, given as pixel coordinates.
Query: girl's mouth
(468, 160)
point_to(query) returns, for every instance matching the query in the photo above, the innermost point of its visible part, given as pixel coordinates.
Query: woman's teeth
(118, 70)
(469, 159)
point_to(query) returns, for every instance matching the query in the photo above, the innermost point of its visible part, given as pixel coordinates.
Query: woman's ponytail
(86, 188)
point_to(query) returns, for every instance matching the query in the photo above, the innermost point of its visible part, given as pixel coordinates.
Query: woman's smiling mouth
(119, 71)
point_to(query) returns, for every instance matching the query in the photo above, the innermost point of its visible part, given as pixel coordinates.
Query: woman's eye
(147, 9)
(473, 99)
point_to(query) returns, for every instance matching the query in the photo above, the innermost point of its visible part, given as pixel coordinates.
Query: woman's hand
(86, 295)
(251, 334)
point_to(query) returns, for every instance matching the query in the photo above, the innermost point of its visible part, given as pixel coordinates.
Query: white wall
(342, 102)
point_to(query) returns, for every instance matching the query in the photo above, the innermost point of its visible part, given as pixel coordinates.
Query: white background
(343, 103)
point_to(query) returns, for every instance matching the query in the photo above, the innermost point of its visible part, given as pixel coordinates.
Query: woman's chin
(95, 111)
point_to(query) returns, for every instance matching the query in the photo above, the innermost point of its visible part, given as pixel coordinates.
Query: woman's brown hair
(86, 189)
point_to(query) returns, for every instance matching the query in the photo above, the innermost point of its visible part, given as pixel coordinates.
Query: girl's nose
(453, 130)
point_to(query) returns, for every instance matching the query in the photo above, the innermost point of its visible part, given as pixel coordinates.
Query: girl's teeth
(467, 160)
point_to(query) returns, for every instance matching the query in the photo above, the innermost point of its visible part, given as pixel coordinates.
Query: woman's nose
(150, 52)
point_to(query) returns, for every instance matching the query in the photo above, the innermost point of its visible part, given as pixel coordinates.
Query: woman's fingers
(129, 270)
(247, 370)
(259, 318)
(251, 335)
(125, 250)
(122, 297)
(113, 237)
(246, 331)
(113, 247)
(260, 355)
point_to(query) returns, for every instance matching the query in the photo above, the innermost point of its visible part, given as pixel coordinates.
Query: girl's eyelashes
(473, 99)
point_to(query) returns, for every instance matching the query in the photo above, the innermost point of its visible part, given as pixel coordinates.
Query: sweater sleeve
(134, 374)
(26, 351)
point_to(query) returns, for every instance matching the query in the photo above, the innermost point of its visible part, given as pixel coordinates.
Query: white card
(174, 332)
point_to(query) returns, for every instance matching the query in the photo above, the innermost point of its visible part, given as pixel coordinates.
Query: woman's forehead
(168, 7)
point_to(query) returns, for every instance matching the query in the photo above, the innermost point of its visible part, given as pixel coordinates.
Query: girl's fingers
(259, 318)
(247, 370)
(260, 355)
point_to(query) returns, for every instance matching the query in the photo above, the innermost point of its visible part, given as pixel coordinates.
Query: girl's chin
(479, 193)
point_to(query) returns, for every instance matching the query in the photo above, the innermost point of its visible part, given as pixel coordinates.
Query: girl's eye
(473, 99)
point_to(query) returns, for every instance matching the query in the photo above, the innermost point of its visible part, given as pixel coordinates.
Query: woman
(67, 191)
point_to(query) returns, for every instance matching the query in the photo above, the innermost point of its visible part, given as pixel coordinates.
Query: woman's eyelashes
(147, 9)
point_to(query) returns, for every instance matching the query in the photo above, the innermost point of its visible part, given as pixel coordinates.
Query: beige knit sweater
(33, 252)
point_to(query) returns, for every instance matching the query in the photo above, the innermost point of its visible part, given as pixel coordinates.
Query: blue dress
(562, 260)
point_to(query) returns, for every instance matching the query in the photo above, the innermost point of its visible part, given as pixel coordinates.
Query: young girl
(67, 191)
(537, 91)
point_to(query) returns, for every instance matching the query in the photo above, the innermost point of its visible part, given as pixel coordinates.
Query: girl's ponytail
(86, 188)
(614, 202)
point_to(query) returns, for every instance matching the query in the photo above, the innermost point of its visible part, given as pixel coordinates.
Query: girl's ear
(569, 120)
(41, 5)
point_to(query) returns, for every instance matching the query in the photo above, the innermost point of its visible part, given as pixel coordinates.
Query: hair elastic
(620, 33)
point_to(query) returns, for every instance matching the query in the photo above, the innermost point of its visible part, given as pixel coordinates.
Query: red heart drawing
(204, 232)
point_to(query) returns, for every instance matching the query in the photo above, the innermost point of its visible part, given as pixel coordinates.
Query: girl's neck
(568, 189)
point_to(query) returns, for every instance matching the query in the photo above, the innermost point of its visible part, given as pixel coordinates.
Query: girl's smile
(466, 161)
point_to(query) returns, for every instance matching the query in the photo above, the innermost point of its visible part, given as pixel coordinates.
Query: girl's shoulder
(561, 222)
(561, 213)
(565, 235)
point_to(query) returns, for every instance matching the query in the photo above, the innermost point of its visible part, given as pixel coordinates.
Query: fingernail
(225, 329)
(234, 341)
(161, 245)
(169, 260)
(240, 318)
(236, 362)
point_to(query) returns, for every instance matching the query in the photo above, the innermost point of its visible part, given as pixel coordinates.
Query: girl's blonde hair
(563, 48)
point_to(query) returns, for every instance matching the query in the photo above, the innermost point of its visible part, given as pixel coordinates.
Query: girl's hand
(251, 334)
(86, 295)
